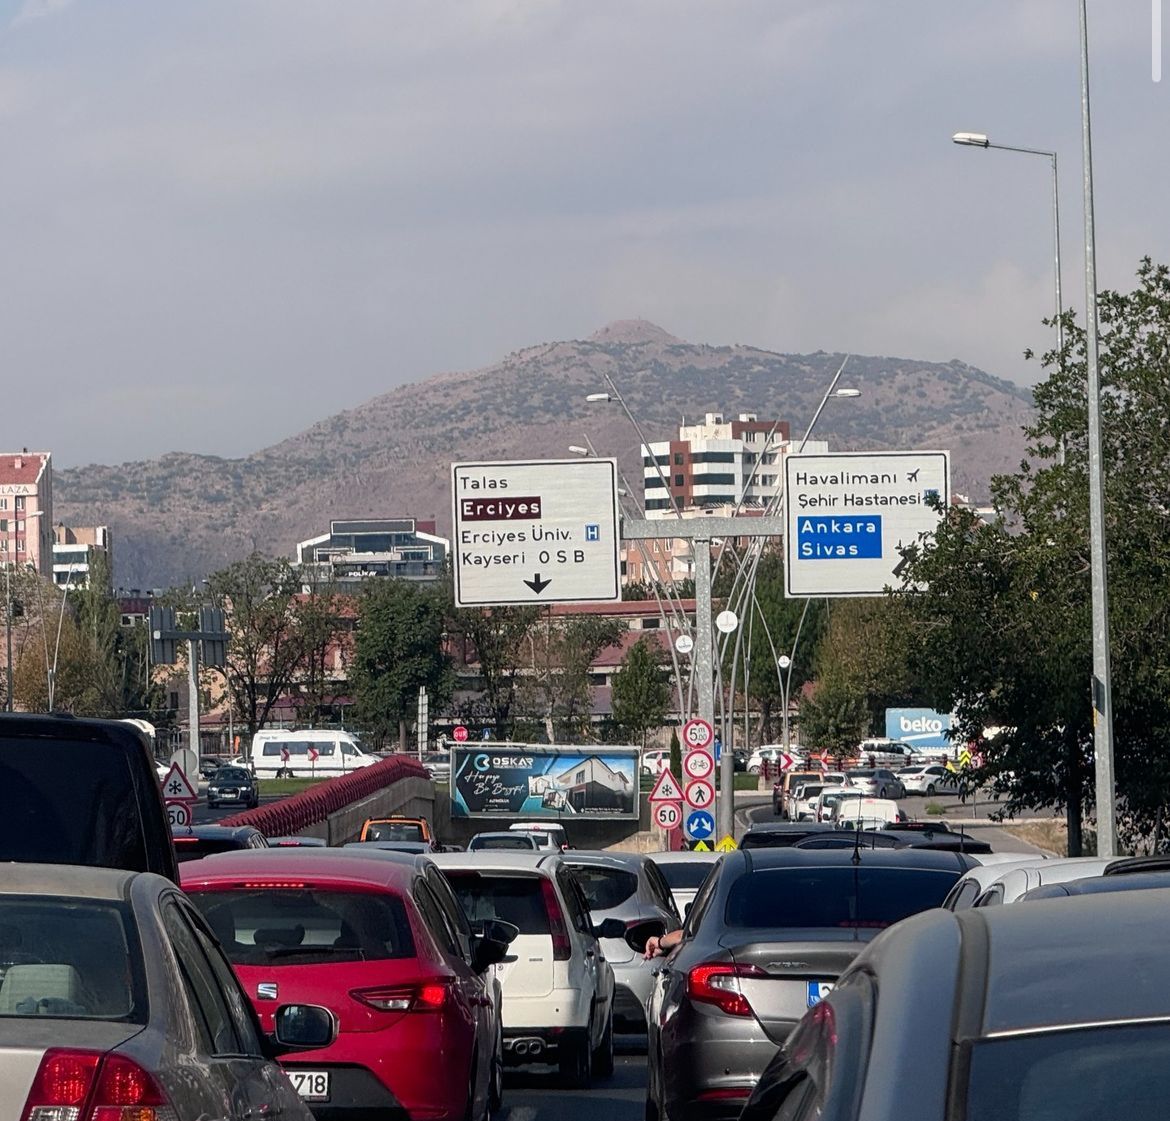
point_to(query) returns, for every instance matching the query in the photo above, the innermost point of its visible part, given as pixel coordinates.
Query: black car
(783, 834)
(195, 841)
(233, 786)
(81, 792)
(209, 764)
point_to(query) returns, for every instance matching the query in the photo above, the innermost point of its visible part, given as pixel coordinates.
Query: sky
(224, 220)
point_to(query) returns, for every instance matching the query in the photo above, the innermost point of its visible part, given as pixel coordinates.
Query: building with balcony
(355, 551)
(74, 552)
(26, 510)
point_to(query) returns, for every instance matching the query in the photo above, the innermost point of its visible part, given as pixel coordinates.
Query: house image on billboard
(592, 784)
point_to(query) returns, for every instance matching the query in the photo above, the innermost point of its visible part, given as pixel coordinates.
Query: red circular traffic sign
(668, 815)
(700, 794)
(697, 733)
(698, 764)
(460, 734)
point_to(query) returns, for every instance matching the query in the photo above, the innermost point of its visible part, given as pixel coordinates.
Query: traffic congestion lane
(203, 815)
(536, 1095)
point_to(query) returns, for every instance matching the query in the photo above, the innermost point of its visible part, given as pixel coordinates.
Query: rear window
(605, 888)
(685, 874)
(799, 778)
(504, 841)
(835, 897)
(515, 899)
(69, 959)
(395, 831)
(73, 803)
(301, 926)
(194, 848)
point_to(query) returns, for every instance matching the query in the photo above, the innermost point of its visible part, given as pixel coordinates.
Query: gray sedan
(110, 983)
(630, 888)
(766, 938)
(1056, 1010)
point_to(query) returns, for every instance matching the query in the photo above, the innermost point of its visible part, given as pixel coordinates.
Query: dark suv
(232, 786)
(81, 792)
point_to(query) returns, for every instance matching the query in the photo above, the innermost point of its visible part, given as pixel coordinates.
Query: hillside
(180, 516)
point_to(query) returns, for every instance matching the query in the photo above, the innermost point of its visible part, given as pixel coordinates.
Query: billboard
(544, 781)
(919, 727)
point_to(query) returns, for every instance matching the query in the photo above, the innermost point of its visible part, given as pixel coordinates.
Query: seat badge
(266, 990)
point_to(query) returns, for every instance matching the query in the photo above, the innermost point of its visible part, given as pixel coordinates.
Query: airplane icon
(912, 477)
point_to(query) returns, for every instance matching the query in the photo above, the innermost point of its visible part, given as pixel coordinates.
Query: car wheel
(930, 790)
(603, 1057)
(753, 770)
(575, 1062)
(496, 1083)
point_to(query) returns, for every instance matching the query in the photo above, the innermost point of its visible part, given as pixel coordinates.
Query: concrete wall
(411, 797)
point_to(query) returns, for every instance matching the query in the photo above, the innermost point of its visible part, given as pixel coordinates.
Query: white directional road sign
(850, 517)
(536, 531)
(668, 815)
(698, 763)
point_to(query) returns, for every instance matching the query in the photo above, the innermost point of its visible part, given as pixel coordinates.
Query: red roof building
(26, 510)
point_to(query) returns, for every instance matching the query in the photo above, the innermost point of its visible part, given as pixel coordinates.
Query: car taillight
(427, 997)
(562, 948)
(718, 983)
(109, 1087)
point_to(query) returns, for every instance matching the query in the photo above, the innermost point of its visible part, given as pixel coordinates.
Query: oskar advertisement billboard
(545, 781)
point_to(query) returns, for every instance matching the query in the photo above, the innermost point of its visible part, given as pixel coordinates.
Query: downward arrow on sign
(537, 584)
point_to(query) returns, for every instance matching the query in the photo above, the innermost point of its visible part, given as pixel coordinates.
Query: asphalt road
(205, 816)
(534, 1093)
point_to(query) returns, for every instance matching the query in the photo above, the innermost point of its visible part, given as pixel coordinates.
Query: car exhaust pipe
(520, 1047)
(536, 1047)
(527, 1047)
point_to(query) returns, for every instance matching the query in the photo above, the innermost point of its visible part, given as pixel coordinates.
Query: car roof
(499, 860)
(1098, 885)
(69, 880)
(214, 832)
(762, 858)
(684, 856)
(373, 868)
(627, 861)
(1117, 940)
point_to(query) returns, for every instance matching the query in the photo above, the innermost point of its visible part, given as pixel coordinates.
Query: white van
(864, 813)
(306, 753)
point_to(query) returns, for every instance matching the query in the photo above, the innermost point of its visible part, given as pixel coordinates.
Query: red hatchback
(380, 939)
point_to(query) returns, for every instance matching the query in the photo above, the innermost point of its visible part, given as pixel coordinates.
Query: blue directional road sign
(718, 749)
(486, 734)
(699, 825)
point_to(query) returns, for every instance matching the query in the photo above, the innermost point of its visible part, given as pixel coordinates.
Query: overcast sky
(223, 220)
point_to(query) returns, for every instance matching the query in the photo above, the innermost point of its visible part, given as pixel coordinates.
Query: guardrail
(315, 805)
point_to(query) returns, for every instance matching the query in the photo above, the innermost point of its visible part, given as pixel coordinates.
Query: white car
(558, 988)
(802, 802)
(1017, 879)
(929, 779)
(828, 798)
(684, 873)
(861, 812)
(557, 838)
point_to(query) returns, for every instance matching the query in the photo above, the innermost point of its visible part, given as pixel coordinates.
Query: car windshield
(811, 790)
(858, 896)
(395, 831)
(1121, 1071)
(302, 926)
(504, 841)
(231, 774)
(69, 959)
(515, 899)
(684, 874)
(605, 888)
(861, 774)
(69, 803)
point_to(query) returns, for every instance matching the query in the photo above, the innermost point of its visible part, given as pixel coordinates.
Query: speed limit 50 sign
(668, 815)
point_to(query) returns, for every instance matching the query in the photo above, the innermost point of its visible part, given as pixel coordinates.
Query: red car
(380, 939)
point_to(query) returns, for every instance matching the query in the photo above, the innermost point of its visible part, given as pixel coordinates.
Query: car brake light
(110, 1087)
(717, 983)
(427, 997)
(295, 885)
(562, 948)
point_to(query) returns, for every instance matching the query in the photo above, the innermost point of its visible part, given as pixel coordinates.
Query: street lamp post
(57, 643)
(784, 663)
(981, 140)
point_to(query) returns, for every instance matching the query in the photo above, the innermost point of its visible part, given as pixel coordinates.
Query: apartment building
(74, 551)
(26, 510)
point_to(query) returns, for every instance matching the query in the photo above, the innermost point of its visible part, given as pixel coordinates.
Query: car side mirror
(687, 909)
(639, 934)
(610, 928)
(496, 930)
(486, 952)
(304, 1027)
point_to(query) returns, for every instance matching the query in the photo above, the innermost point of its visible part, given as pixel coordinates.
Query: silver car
(684, 872)
(630, 888)
(112, 985)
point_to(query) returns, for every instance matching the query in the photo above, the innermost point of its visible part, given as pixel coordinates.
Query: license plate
(817, 991)
(312, 1085)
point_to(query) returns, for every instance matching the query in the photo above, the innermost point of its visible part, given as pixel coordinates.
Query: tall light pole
(980, 140)
(57, 644)
(1102, 685)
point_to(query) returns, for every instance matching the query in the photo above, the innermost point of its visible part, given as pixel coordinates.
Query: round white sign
(727, 621)
(684, 644)
(697, 733)
(784, 661)
(178, 813)
(667, 815)
(698, 764)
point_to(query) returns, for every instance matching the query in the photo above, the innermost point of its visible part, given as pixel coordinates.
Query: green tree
(266, 650)
(675, 754)
(641, 690)
(1003, 622)
(498, 639)
(834, 717)
(398, 650)
(321, 618)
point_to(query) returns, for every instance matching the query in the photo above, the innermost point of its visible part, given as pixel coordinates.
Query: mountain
(180, 516)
